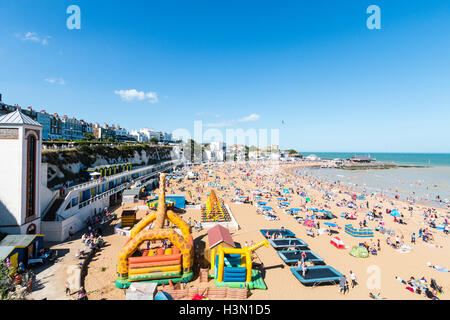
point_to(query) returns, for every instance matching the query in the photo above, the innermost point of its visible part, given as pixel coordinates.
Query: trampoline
(293, 256)
(317, 275)
(284, 233)
(279, 244)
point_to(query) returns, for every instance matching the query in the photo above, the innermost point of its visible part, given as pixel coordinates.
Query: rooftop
(18, 117)
(218, 234)
(17, 240)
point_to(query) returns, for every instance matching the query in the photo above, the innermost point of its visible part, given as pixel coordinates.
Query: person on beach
(353, 279)
(71, 233)
(413, 238)
(67, 284)
(82, 294)
(342, 281)
(303, 269)
(303, 256)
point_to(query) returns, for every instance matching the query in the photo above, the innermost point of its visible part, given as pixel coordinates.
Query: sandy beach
(281, 283)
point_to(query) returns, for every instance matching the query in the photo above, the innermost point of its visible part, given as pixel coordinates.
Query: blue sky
(337, 85)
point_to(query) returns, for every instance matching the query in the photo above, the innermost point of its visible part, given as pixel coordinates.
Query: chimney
(29, 108)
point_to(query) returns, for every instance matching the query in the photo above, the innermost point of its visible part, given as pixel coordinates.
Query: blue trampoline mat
(293, 256)
(284, 233)
(286, 243)
(317, 274)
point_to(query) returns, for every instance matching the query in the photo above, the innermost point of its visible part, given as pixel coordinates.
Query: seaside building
(45, 120)
(55, 127)
(361, 159)
(216, 151)
(147, 135)
(20, 164)
(28, 206)
(312, 157)
(72, 129)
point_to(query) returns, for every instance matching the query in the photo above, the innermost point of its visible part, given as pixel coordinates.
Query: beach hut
(21, 248)
(337, 242)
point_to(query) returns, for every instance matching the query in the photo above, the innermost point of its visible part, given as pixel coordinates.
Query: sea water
(415, 159)
(423, 185)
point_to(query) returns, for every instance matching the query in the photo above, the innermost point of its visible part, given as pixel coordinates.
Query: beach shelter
(330, 224)
(337, 242)
(329, 215)
(309, 223)
(395, 213)
(351, 216)
(359, 252)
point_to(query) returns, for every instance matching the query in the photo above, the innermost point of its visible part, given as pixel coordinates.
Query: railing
(69, 194)
(55, 196)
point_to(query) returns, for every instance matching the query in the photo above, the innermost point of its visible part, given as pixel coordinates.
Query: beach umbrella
(257, 197)
(286, 203)
(309, 223)
(280, 198)
(351, 216)
(330, 224)
(262, 203)
(395, 213)
(286, 190)
(337, 242)
(267, 208)
(295, 209)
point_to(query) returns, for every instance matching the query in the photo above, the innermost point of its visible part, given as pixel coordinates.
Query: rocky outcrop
(71, 164)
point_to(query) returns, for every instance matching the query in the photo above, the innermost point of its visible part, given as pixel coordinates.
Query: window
(31, 176)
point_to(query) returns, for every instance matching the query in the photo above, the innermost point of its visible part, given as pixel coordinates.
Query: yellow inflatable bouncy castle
(214, 210)
(171, 261)
(233, 267)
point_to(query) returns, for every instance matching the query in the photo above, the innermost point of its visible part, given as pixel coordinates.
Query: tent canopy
(359, 252)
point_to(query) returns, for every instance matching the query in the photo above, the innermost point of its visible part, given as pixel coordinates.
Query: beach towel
(437, 268)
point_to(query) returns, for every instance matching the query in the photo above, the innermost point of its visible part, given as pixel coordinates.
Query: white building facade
(20, 163)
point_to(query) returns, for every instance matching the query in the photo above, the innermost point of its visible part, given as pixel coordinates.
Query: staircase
(50, 215)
